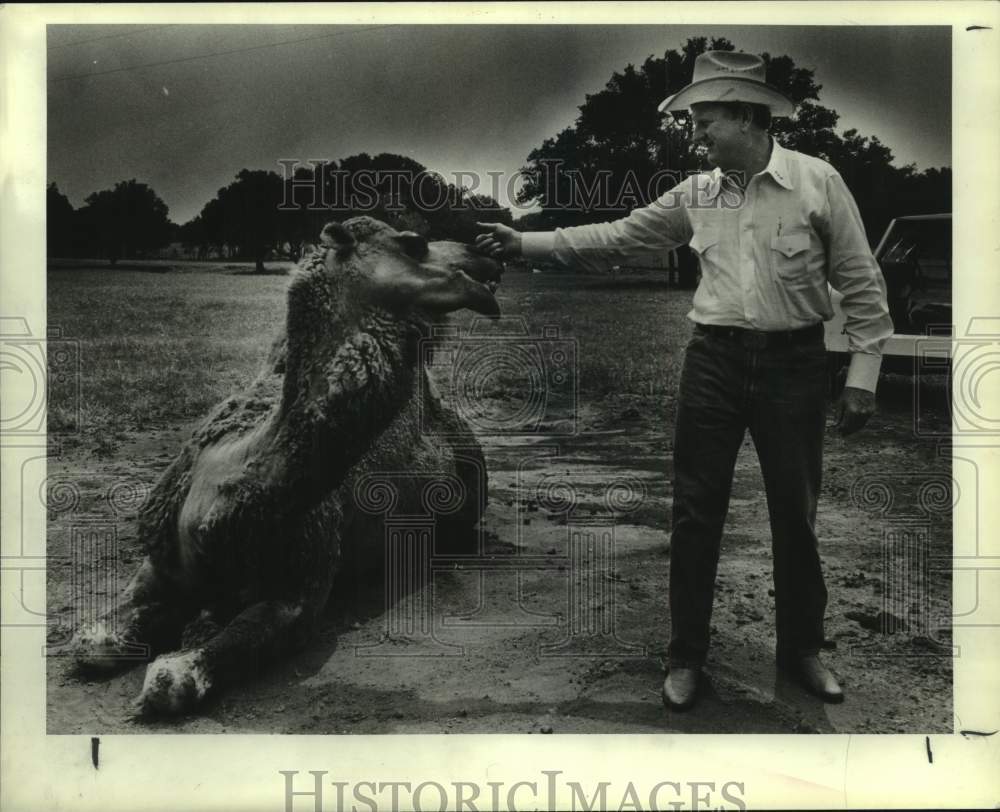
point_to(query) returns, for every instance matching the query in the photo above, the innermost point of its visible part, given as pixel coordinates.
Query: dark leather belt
(760, 340)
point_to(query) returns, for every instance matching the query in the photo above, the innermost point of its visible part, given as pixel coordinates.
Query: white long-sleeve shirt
(766, 254)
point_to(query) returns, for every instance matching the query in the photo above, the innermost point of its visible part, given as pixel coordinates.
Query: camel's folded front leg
(147, 619)
(178, 681)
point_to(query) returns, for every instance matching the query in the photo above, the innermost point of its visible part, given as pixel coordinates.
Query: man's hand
(853, 409)
(501, 241)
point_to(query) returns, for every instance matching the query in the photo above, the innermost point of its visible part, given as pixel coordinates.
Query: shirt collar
(777, 167)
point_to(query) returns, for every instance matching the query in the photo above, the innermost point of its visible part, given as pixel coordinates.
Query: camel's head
(357, 311)
(404, 273)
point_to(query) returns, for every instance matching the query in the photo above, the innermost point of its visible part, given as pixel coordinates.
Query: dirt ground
(560, 623)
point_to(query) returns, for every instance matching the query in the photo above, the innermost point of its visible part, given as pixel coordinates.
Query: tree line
(261, 212)
(620, 133)
(616, 151)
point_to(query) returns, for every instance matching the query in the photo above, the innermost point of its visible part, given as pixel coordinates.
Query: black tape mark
(930, 755)
(95, 750)
(979, 28)
(977, 732)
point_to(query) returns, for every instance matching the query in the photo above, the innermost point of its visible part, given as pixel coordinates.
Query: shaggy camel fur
(247, 528)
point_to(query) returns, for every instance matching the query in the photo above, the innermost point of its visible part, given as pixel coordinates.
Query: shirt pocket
(790, 258)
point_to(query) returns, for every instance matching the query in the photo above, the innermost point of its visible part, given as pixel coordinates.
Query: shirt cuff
(538, 245)
(863, 371)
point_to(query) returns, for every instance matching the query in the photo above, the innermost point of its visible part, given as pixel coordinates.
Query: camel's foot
(97, 650)
(175, 684)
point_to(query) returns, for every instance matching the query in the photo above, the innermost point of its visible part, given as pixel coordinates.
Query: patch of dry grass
(629, 333)
(158, 349)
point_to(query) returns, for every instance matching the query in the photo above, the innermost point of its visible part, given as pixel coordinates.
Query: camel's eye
(413, 245)
(337, 236)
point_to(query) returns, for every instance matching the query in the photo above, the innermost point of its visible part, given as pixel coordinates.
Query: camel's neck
(340, 392)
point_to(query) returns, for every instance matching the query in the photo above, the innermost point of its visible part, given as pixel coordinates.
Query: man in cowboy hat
(771, 227)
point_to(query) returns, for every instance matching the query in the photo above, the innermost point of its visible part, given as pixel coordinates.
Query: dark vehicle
(915, 257)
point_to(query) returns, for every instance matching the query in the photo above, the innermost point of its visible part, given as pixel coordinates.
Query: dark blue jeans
(779, 394)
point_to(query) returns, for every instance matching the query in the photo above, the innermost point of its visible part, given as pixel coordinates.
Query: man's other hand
(500, 241)
(853, 409)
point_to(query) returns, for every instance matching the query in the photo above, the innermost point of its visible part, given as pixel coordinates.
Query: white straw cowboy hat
(727, 76)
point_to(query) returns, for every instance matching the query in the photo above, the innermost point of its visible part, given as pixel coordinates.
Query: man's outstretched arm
(648, 231)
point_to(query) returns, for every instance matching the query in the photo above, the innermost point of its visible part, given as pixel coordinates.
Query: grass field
(164, 347)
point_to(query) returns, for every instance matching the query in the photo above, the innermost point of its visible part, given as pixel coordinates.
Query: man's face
(721, 134)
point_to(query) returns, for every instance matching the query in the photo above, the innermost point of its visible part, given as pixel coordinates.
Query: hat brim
(729, 89)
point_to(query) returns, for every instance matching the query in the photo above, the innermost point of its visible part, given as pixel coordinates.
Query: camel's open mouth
(492, 284)
(472, 288)
(487, 305)
(489, 272)
(487, 281)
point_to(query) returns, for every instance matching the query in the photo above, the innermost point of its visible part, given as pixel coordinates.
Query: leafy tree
(60, 222)
(393, 188)
(622, 153)
(193, 234)
(246, 215)
(613, 159)
(124, 221)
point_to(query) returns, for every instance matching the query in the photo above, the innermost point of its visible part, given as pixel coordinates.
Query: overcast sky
(454, 98)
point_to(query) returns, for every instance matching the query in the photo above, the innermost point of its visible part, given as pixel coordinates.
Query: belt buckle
(754, 340)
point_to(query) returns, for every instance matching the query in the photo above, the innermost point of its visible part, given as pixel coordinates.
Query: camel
(247, 528)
